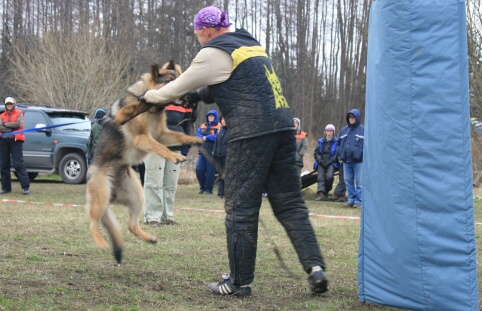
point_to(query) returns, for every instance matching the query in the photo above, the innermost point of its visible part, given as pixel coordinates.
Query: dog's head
(161, 76)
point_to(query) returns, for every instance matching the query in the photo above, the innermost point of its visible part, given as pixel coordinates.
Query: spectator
(340, 189)
(239, 77)
(219, 153)
(326, 162)
(350, 153)
(12, 145)
(301, 144)
(205, 170)
(161, 176)
(99, 116)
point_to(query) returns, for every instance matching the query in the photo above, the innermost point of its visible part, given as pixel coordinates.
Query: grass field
(48, 260)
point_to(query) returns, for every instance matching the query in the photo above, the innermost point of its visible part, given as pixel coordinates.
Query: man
(261, 147)
(161, 176)
(301, 144)
(11, 145)
(350, 152)
(96, 128)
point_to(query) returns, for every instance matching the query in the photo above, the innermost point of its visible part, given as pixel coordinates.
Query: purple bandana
(211, 17)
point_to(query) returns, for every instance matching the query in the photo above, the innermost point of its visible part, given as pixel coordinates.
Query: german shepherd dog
(111, 178)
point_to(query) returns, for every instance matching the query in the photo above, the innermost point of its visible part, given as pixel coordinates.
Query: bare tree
(78, 71)
(474, 36)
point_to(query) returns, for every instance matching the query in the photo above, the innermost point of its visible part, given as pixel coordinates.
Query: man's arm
(17, 124)
(210, 66)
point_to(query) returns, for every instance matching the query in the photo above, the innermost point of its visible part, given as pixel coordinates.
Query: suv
(59, 150)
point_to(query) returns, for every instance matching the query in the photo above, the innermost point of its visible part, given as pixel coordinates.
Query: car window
(81, 123)
(32, 118)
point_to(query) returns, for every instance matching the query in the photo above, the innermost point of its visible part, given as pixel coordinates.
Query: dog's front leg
(149, 144)
(130, 111)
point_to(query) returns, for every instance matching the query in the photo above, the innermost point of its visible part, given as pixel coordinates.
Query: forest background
(82, 54)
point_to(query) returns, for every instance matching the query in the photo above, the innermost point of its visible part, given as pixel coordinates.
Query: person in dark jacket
(205, 170)
(350, 153)
(301, 144)
(236, 73)
(219, 154)
(99, 116)
(326, 162)
(11, 120)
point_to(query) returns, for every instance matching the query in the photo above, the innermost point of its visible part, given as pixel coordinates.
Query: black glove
(334, 159)
(193, 97)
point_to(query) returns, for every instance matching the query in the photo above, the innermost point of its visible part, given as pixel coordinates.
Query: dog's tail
(113, 228)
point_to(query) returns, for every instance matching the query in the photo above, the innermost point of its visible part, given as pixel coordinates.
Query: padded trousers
(252, 164)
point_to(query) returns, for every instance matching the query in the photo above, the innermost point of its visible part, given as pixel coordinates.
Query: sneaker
(169, 223)
(5, 191)
(26, 190)
(356, 205)
(153, 223)
(226, 287)
(264, 195)
(318, 282)
(201, 191)
(340, 199)
(321, 197)
(349, 205)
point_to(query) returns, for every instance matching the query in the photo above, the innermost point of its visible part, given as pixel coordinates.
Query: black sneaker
(26, 190)
(318, 282)
(226, 287)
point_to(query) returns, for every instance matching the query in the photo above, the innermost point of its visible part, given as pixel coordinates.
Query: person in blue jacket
(350, 153)
(326, 163)
(205, 170)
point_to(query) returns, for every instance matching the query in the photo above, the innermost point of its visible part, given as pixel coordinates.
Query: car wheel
(73, 168)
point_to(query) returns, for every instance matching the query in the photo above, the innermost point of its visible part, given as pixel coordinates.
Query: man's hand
(190, 100)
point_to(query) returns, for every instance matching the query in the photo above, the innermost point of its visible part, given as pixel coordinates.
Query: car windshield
(78, 120)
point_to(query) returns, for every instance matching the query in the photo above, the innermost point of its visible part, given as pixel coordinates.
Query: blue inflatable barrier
(417, 240)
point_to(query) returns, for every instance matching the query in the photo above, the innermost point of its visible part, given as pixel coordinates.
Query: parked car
(478, 127)
(59, 150)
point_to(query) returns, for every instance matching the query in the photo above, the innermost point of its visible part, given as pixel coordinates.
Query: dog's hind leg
(98, 194)
(110, 223)
(131, 194)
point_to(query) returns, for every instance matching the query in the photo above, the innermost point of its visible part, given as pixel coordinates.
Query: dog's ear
(154, 71)
(171, 65)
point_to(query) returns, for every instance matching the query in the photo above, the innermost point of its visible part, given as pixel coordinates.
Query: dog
(110, 179)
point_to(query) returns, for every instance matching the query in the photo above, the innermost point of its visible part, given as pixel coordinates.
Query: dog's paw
(199, 141)
(177, 158)
(102, 245)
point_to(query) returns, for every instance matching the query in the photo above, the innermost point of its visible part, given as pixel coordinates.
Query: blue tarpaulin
(417, 240)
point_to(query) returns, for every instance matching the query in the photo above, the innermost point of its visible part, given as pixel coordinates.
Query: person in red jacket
(11, 120)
